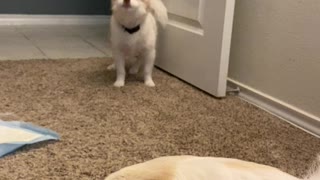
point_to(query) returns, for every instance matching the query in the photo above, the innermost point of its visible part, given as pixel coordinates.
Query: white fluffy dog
(202, 168)
(134, 35)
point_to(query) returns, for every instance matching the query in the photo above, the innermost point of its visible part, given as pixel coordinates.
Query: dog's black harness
(131, 30)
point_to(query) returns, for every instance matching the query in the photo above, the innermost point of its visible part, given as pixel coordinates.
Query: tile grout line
(34, 44)
(92, 45)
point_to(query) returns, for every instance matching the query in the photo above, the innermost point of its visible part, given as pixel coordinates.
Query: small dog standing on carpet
(203, 168)
(134, 35)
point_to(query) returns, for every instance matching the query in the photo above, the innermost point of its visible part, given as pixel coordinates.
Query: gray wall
(66, 7)
(276, 50)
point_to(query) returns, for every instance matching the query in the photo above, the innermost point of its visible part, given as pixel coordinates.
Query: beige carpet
(105, 128)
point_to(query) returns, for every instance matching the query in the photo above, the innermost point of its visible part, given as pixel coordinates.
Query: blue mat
(15, 134)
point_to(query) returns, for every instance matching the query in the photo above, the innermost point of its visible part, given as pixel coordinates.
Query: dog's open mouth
(126, 4)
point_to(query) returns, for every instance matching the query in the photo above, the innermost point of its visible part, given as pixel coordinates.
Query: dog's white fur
(138, 49)
(202, 168)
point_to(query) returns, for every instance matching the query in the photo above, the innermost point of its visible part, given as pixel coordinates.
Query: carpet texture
(105, 128)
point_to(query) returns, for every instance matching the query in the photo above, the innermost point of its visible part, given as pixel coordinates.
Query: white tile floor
(53, 42)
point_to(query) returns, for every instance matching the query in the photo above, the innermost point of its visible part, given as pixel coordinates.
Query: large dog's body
(134, 35)
(202, 168)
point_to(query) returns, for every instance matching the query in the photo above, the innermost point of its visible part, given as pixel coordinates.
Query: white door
(195, 45)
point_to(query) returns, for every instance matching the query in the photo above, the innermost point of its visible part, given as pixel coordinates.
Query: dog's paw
(119, 84)
(150, 83)
(111, 67)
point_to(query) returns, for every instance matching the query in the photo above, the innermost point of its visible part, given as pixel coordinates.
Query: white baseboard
(284, 111)
(8, 19)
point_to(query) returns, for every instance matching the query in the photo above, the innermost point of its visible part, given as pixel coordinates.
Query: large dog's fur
(203, 168)
(138, 48)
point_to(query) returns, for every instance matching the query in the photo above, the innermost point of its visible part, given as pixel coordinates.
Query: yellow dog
(203, 168)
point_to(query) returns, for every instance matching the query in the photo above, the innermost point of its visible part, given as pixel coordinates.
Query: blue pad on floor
(14, 135)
